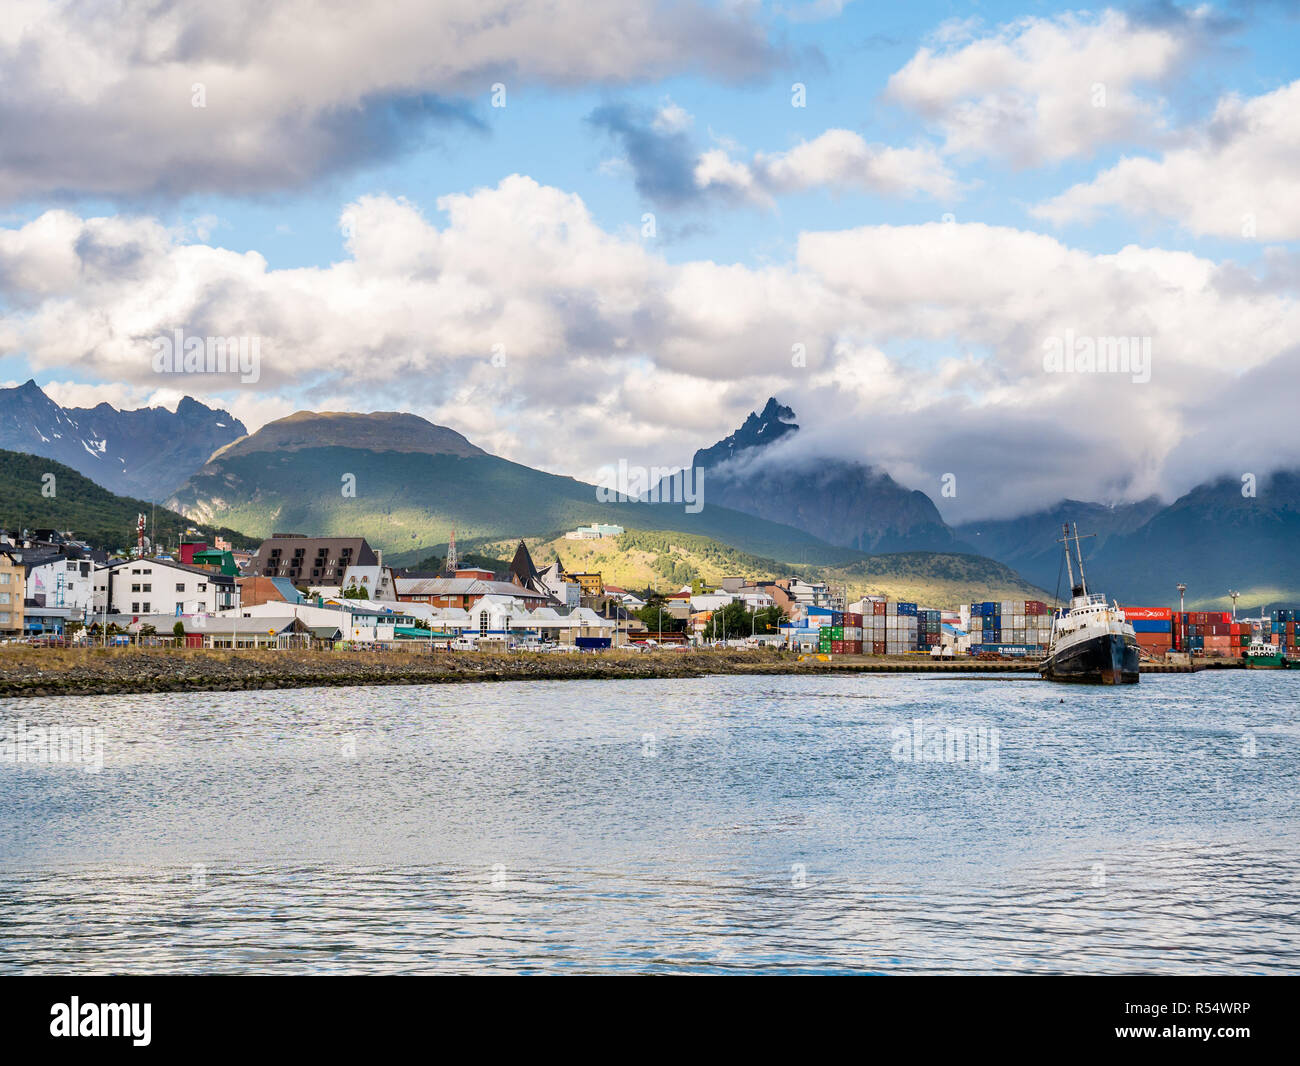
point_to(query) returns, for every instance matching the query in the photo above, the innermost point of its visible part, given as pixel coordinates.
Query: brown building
(310, 560)
(254, 591)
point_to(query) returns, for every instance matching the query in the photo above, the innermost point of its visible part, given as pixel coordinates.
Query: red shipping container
(877, 647)
(878, 607)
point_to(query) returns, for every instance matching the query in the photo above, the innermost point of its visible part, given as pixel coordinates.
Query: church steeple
(522, 570)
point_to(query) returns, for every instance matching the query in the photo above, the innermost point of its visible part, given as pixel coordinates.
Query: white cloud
(1235, 176)
(1039, 90)
(922, 346)
(103, 98)
(837, 159)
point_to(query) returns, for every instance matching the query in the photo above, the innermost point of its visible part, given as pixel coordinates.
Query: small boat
(1091, 642)
(1264, 656)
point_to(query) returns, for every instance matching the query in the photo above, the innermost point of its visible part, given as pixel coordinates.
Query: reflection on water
(700, 825)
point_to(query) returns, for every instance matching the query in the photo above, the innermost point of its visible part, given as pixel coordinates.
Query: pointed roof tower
(522, 570)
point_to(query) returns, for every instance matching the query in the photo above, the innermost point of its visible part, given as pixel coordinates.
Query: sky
(584, 233)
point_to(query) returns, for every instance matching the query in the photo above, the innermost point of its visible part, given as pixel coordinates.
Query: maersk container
(1016, 650)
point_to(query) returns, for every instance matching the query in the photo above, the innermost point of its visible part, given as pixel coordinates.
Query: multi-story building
(310, 560)
(162, 586)
(12, 589)
(61, 581)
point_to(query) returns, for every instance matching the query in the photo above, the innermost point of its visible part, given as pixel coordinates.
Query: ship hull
(1266, 662)
(1107, 659)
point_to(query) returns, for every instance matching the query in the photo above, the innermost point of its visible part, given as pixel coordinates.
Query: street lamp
(1233, 594)
(1181, 589)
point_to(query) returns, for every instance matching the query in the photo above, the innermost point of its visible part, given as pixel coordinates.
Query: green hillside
(665, 560)
(408, 502)
(92, 513)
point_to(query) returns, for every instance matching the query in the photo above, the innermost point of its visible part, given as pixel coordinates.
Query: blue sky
(626, 127)
(845, 61)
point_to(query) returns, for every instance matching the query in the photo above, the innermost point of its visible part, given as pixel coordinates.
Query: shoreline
(125, 671)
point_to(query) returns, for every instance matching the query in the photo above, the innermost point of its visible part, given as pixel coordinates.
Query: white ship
(1091, 642)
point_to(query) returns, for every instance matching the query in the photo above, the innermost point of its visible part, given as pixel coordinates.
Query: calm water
(711, 825)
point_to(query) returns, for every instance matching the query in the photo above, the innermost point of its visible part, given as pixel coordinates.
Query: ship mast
(1069, 566)
(1083, 581)
(1081, 589)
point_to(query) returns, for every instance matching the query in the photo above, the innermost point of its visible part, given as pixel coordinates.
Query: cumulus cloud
(670, 171)
(1234, 176)
(516, 319)
(246, 96)
(837, 159)
(1039, 90)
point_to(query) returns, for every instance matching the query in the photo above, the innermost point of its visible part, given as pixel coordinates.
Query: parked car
(464, 644)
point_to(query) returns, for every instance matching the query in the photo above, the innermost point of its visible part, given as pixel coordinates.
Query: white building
(715, 601)
(569, 593)
(593, 532)
(377, 581)
(62, 582)
(162, 586)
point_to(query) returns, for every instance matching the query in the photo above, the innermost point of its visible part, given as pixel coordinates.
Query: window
(180, 608)
(180, 586)
(4, 618)
(147, 588)
(4, 579)
(203, 586)
(4, 597)
(482, 623)
(135, 608)
(135, 587)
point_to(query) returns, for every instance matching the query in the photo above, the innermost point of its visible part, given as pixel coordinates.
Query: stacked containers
(843, 636)
(873, 628)
(928, 626)
(1212, 633)
(1153, 627)
(1024, 624)
(851, 642)
(1284, 629)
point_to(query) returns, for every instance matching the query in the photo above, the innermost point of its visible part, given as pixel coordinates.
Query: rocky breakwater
(37, 672)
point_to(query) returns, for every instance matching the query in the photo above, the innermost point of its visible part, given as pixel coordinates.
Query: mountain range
(1213, 538)
(405, 483)
(146, 453)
